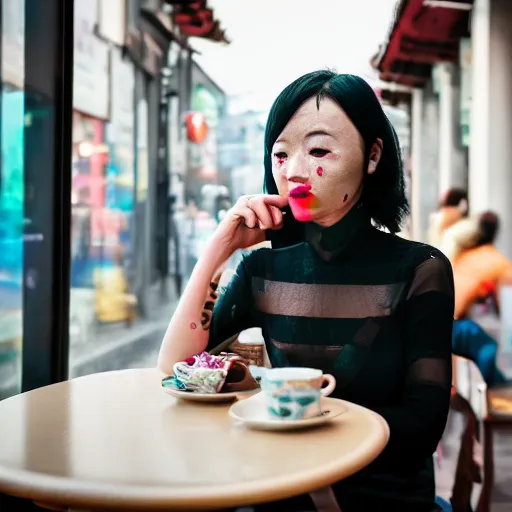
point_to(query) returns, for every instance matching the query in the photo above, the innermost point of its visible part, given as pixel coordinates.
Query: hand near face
(245, 224)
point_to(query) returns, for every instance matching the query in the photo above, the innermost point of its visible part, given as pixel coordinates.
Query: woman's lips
(301, 191)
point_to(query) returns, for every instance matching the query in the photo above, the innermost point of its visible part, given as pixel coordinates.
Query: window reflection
(11, 196)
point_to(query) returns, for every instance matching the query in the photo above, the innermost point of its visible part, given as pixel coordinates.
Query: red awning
(421, 35)
(196, 19)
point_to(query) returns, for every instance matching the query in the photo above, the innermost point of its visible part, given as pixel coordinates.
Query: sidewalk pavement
(117, 347)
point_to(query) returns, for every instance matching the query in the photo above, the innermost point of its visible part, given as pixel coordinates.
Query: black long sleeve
(418, 421)
(234, 309)
(375, 311)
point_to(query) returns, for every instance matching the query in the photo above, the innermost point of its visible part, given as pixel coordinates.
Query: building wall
(203, 159)
(425, 160)
(452, 156)
(241, 150)
(490, 176)
(116, 99)
(500, 170)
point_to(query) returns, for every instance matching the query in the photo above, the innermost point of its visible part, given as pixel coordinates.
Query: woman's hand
(245, 224)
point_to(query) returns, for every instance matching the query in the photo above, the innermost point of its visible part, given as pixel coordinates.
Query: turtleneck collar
(332, 240)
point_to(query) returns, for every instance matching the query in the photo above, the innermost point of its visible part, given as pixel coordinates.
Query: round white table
(116, 441)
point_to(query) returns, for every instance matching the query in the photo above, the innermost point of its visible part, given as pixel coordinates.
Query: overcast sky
(275, 41)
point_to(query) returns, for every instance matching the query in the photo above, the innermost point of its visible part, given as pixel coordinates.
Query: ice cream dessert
(205, 373)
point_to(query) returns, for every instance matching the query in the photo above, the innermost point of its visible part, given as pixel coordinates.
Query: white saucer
(208, 397)
(253, 413)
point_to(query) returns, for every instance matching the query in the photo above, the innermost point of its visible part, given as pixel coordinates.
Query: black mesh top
(374, 310)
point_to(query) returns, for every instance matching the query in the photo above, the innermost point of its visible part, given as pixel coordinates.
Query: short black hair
(453, 197)
(488, 227)
(384, 190)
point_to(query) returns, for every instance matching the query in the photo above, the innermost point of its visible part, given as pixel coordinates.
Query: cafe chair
(493, 410)
(499, 416)
(469, 403)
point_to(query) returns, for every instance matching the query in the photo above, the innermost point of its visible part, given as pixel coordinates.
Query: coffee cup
(295, 393)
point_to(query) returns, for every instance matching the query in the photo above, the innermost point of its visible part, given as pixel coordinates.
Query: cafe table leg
(325, 500)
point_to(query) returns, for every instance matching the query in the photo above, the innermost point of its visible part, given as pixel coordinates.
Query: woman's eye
(319, 152)
(280, 155)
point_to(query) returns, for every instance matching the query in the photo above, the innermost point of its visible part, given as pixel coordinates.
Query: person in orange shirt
(478, 272)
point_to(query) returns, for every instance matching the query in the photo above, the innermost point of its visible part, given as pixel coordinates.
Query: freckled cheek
(281, 181)
(279, 172)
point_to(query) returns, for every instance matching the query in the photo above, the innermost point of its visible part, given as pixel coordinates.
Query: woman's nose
(297, 171)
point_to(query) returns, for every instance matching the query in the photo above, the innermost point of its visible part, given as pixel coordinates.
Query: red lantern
(197, 128)
(203, 30)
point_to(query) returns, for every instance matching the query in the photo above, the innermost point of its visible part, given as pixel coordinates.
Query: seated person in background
(479, 268)
(453, 207)
(472, 342)
(460, 237)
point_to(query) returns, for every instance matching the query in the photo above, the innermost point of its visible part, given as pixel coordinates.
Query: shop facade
(198, 181)
(115, 118)
(209, 100)
(422, 53)
(455, 58)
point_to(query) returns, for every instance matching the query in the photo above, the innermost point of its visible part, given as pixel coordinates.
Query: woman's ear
(375, 154)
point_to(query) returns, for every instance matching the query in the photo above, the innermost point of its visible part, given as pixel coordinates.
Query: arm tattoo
(207, 313)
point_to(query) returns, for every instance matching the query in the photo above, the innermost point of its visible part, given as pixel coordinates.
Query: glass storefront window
(118, 306)
(104, 250)
(101, 241)
(120, 301)
(11, 196)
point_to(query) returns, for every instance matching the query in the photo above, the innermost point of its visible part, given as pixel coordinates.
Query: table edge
(97, 495)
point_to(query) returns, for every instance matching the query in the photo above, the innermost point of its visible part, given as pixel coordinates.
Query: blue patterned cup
(294, 393)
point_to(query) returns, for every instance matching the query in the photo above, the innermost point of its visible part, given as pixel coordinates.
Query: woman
(335, 293)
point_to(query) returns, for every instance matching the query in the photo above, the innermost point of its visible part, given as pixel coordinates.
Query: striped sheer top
(374, 310)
